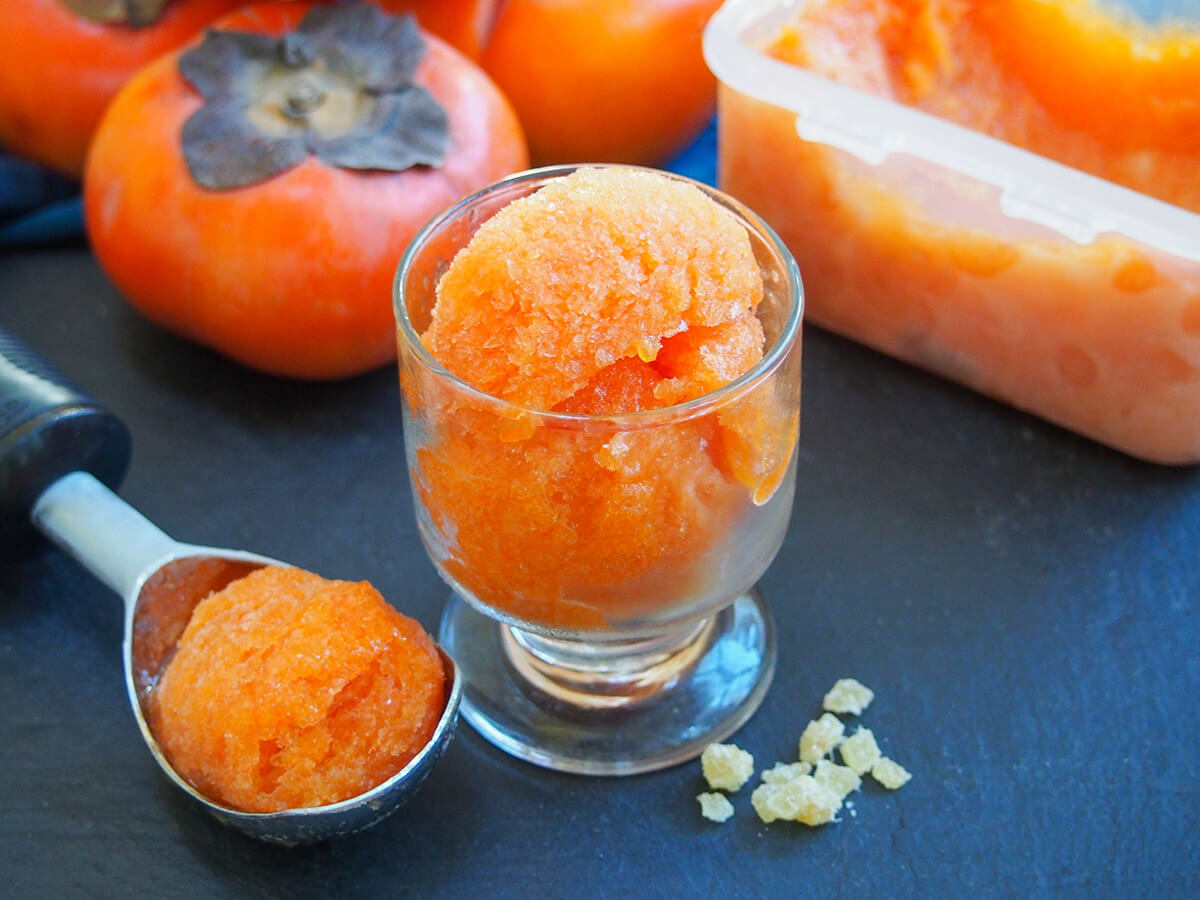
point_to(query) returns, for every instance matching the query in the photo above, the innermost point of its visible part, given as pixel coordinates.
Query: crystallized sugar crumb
(820, 737)
(890, 774)
(848, 696)
(715, 806)
(726, 767)
(859, 751)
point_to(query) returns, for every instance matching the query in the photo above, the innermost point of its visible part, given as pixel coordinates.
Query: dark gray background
(1023, 601)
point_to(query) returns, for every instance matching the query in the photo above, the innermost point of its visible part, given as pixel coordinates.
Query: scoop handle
(48, 428)
(112, 540)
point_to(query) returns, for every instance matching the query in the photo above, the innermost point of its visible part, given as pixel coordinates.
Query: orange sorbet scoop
(289, 690)
(599, 266)
(607, 291)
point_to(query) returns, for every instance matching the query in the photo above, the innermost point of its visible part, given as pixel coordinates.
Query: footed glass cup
(603, 615)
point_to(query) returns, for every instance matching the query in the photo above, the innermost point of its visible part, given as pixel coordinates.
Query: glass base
(617, 707)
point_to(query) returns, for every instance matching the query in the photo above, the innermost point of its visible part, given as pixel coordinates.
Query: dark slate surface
(1023, 601)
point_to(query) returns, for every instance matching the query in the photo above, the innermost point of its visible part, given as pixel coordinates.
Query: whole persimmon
(64, 60)
(464, 24)
(255, 191)
(591, 80)
(604, 80)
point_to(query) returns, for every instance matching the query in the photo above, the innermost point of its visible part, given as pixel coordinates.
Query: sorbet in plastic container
(1006, 194)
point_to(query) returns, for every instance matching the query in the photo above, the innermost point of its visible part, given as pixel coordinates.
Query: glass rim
(759, 372)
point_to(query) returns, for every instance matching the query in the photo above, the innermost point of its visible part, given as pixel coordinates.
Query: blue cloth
(699, 161)
(38, 206)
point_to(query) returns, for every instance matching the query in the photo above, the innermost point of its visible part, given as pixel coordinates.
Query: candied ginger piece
(820, 737)
(288, 690)
(781, 772)
(848, 696)
(859, 751)
(595, 267)
(800, 799)
(726, 766)
(890, 773)
(842, 780)
(715, 806)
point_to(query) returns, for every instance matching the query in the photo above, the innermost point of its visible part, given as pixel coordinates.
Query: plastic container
(1030, 281)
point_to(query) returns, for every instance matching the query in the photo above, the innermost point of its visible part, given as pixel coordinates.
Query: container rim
(1071, 202)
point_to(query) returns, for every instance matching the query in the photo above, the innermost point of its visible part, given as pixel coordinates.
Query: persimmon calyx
(339, 87)
(135, 13)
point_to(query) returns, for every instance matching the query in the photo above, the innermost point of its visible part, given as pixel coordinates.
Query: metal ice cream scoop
(58, 449)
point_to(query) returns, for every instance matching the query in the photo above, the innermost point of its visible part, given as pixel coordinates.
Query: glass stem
(608, 675)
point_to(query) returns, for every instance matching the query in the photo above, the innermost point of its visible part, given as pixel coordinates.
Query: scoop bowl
(52, 438)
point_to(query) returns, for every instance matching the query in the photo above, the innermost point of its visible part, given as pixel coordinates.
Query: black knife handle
(48, 428)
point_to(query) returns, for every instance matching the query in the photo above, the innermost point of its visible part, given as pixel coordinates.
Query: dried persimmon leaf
(382, 51)
(338, 86)
(295, 49)
(225, 151)
(227, 63)
(134, 13)
(408, 129)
